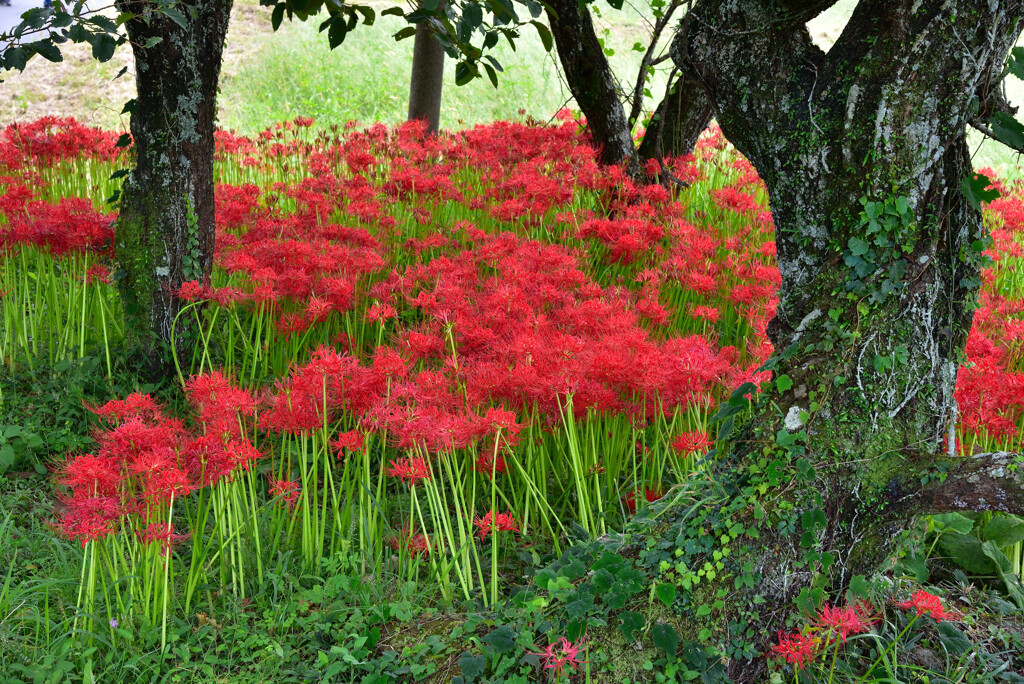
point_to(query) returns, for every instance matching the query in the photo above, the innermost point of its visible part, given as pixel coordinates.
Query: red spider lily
(220, 404)
(135, 405)
(414, 544)
(162, 533)
(492, 522)
(411, 469)
(651, 495)
(928, 604)
(692, 442)
(286, 490)
(842, 621)
(797, 648)
(89, 518)
(559, 655)
(486, 464)
(353, 440)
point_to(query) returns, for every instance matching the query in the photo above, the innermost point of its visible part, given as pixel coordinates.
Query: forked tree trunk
(427, 79)
(165, 230)
(864, 154)
(591, 80)
(680, 118)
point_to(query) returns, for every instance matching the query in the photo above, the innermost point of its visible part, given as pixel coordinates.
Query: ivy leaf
(630, 624)
(977, 189)
(472, 666)
(858, 247)
(666, 638)
(500, 640)
(784, 383)
(666, 592)
(1007, 130)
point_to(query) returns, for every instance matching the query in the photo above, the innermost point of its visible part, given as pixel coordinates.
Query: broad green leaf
(955, 521)
(666, 638)
(1004, 529)
(1006, 571)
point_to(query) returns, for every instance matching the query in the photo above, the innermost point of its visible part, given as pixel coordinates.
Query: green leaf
(338, 30)
(1004, 529)
(630, 624)
(784, 383)
(175, 15)
(545, 36)
(666, 592)
(277, 16)
(47, 50)
(858, 247)
(492, 76)
(955, 521)
(1006, 572)
(500, 640)
(1007, 130)
(472, 666)
(965, 550)
(406, 32)
(1015, 63)
(666, 638)
(976, 190)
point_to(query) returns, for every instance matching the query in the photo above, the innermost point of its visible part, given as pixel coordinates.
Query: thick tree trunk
(165, 230)
(863, 151)
(427, 79)
(680, 118)
(591, 80)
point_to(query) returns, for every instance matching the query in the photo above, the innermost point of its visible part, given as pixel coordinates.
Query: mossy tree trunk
(165, 230)
(864, 154)
(427, 79)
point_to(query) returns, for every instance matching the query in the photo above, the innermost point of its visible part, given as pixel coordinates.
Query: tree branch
(984, 482)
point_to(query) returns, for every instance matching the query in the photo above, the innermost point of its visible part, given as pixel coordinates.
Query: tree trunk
(680, 118)
(863, 152)
(427, 79)
(165, 230)
(591, 80)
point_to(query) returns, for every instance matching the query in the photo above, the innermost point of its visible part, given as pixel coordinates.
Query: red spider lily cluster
(403, 299)
(834, 624)
(146, 459)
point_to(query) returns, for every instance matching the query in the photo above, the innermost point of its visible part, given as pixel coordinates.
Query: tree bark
(165, 230)
(863, 151)
(427, 79)
(591, 81)
(680, 118)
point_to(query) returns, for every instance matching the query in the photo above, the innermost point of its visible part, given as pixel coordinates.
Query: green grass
(294, 73)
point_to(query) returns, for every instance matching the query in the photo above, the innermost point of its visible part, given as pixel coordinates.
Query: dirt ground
(81, 87)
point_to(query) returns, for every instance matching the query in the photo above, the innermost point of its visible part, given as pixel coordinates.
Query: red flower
(353, 440)
(690, 442)
(490, 522)
(796, 648)
(842, 621)
(286, 489)
(486, 464)
(560, 654)
(928, 604)
(411, 469)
